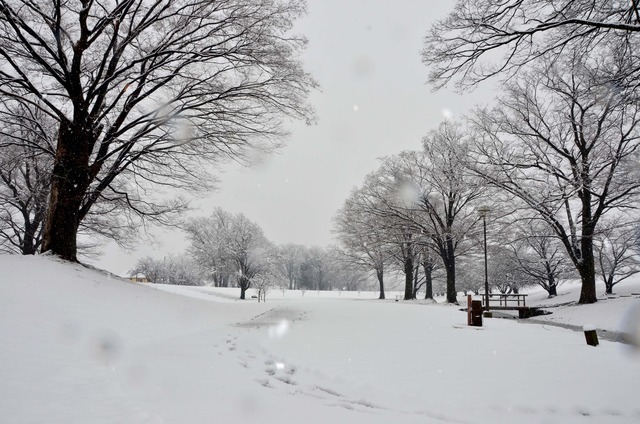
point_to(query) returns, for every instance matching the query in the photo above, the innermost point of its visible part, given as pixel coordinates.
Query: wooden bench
(508, 302)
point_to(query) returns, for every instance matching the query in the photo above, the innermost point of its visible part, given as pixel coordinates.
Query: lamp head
(483, 211)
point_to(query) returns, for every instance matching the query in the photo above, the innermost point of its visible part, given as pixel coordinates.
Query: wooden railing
(505, 301)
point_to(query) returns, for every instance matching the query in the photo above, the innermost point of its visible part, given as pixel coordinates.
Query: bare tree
(263, 285)
(483, 38)
(566, 145)
(539, 254)
(430, 263)
(340, 272)
(363, 236)
(233, 242)
(403, 237)
(422, 200)
(149, 93)
(383, 193)
(470, 275)
(177, 270)
(618, 254)
(439, 197)
(320, 265)
(26, 160)
(323, 268)
(503, 270)
(27, 150)
(349, 278)
(265, 280)
(208, 246)
(287, 262)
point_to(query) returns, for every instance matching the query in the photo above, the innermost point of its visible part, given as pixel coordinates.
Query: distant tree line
(229, 250)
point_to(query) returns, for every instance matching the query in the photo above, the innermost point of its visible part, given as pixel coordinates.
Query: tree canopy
(149, 93)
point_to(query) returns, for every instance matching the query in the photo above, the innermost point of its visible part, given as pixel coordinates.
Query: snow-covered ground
(617, 312)
(78, 346)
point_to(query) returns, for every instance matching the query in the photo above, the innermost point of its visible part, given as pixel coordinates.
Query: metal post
(486, 272)
(483, 211)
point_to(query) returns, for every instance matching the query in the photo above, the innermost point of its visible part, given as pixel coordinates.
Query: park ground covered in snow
(80, 346)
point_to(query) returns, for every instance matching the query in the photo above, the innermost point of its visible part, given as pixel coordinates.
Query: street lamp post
(483, 211)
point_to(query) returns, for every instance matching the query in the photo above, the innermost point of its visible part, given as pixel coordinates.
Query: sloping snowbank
(616, 312)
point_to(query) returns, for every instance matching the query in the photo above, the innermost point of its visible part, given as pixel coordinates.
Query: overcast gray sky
(373, 102)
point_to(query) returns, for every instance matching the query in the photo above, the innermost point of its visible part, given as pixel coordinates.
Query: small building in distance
(139, 278)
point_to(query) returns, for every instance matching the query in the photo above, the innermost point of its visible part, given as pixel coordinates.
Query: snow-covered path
(79, 347)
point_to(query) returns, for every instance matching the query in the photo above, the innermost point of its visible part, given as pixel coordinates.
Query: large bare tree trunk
(69, 182)
(608, 284)
(29, 242)
(587, 264)
(416, 276)
(452, 295)
(428, 276)
(408, 273)
(244, 284)
(449, 261)
(588, 290)
(587, 271)
(380, 274)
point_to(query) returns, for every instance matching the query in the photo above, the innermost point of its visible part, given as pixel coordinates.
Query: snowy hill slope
(78, 346)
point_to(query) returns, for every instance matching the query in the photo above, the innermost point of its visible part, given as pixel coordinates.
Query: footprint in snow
(264, 382)
(328, 391)
(286, 379)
